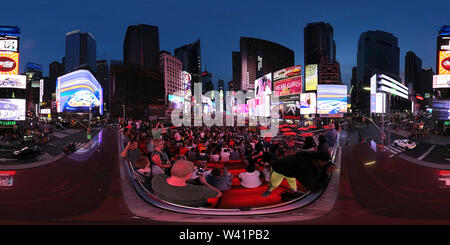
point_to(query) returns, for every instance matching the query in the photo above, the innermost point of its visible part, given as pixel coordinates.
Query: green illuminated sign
(7, 123)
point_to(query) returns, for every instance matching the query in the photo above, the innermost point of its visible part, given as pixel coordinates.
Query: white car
(405, 143)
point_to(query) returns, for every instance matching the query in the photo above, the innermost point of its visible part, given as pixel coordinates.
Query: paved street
(60, 138)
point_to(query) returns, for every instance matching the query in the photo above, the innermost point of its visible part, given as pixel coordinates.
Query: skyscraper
(56, 69)
(171, 70)
(237, 69)
(207, 84)
(190, 57)
(81, 51)
(378, 52)
(259, 57)
(102, 76)
(319, 43)
(141, 46)
(413, 70)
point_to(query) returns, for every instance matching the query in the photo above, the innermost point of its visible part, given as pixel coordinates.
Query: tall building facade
(102, 76)
(318, 43)
(171, 70)
(34, 74)
(237, 69)
(81, 51)
(133, 89)
(191, 58)
(141, 46)
(55, 70)
(207, 84)
(378, 52)
(413, 70)
(354, 89)
(259, 57)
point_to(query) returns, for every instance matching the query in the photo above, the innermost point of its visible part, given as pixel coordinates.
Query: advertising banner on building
(287, 72)
(9, 43)
(12, 109)
(291, 106)
(441, 110)
(9, 63)
(263, 86)
(444, 63)
(78, 91)
(13, 81)
(441, 81)
(288, 86)
(308, 102)
(311, 77)
(331, 99)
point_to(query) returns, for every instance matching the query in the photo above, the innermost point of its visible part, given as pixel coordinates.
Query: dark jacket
(300, 166)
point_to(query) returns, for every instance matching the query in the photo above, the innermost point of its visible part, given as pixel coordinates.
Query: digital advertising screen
(331, 99)
(9, 63)
(444, 63)
(287, 72)
(308, 102)
(13, 81)
(78, 91)
(291, 107)
(9, 44)
(12, 109)
(441, 81)
(441, 109)
(288, 86)
(263, 86)
(311, 77)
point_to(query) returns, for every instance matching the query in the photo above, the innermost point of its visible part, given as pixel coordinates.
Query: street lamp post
(123, 110)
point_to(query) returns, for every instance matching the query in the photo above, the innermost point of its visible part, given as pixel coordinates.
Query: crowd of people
(173, 162)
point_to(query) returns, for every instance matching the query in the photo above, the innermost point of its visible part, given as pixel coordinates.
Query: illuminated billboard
(311, 77)
(12, 109)
(287, 72)
(13, 81)
(444, 63)
(441, 110)
(263, 86)
(441, 81)
(291, 106)
(288, 86)
(9, 63)
(78, 91)
(331, 99)
(9, 44)
(308, 102)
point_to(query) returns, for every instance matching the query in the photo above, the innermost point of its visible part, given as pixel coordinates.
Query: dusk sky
(220, 24)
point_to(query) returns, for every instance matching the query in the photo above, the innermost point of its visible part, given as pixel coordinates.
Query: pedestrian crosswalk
(78, 145)
(395, 149)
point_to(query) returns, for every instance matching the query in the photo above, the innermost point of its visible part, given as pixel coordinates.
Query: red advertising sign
(288, 86)
(9, 63)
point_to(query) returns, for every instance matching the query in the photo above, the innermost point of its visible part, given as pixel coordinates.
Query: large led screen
(9, 44)
(308, 103)
(9, 63)
(263, 86)
(78, 91)
(288, 86)
(287, 72)
(441, 110)
(331, 99)
(12, 109)
(311, 77)
(444, 63)
(441, 81)
(291, 107)
(13, 81)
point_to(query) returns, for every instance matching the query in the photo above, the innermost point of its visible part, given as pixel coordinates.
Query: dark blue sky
(220, 24)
